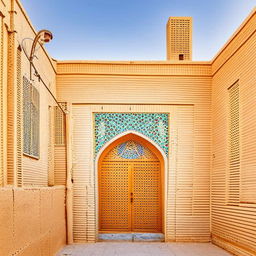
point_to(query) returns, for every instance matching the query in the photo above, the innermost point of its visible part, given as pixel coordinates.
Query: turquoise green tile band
(152, 125)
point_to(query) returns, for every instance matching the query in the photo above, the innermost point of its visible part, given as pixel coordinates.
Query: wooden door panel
(130, 191)
(146, 209)
(114, 198)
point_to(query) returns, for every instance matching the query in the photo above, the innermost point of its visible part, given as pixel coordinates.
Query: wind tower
(179, 38)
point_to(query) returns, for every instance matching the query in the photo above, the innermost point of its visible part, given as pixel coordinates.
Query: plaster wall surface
(35, 171)
(32, 221)
(32, 215)
(3, 90)
(234, 225)
(195, 94)
(17, 33)
(183, 91)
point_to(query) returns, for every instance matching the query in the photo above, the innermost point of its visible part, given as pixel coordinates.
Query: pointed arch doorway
(130, 183)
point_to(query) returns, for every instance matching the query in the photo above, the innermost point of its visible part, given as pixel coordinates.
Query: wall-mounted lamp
(43, 36)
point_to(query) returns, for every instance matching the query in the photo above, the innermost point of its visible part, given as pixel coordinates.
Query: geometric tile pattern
(152, 125)
(130, 150)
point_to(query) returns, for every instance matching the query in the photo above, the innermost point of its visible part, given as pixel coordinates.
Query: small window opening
(181, 56)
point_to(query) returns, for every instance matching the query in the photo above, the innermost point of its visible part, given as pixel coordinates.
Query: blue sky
(133, 29)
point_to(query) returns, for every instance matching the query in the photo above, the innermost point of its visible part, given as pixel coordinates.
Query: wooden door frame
(151, 145)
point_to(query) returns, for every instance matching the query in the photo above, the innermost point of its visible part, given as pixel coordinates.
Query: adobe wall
(32, 215)
(194, 94)
(32, 221)
(234, 224)
(181, 90)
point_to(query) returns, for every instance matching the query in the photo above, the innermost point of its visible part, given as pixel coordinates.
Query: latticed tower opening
(179, 38)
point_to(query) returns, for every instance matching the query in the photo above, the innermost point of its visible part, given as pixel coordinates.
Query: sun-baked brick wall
(184, 91)
(234, 223)
(32, 221)
(32, 215)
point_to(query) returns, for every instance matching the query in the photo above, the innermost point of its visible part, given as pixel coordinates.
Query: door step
(132, 237)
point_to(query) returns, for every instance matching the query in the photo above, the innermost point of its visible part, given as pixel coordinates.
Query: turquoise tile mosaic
(130, 150)
(152, 125)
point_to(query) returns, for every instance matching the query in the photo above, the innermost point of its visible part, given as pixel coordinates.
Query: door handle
(131, 197)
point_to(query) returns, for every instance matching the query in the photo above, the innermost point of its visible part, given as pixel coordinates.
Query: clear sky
(133, 29)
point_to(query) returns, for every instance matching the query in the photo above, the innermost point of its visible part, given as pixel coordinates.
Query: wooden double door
(130, 195)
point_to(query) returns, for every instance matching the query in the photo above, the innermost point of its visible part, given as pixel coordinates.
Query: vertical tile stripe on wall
(19, 119)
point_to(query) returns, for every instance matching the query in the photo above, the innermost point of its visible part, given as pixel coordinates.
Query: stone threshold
(131, 237)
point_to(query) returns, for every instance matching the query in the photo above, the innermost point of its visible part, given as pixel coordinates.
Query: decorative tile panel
(152, 125)
(130, 150)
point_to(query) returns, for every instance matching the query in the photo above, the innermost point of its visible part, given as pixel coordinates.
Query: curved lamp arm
(43, 36)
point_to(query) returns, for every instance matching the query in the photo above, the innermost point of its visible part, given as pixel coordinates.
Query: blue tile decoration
(152, 125)
(130, 150)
